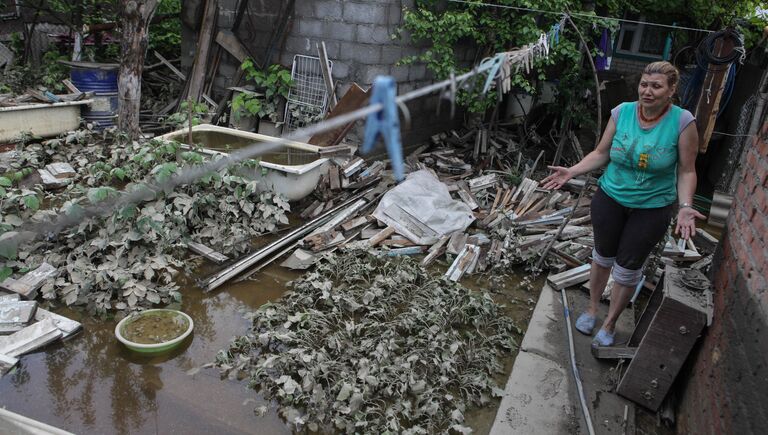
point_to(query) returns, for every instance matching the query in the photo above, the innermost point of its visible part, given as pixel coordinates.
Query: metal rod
(574, 368)
(230, 272)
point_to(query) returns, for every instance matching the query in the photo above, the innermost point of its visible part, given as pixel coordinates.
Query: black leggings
(627, 234)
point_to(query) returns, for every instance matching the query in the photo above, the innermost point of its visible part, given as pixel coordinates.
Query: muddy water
(91, 384)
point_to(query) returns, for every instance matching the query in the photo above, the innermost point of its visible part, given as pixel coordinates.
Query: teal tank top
(642, 171)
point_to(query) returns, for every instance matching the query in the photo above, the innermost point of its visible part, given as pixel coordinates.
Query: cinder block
(391, 54)
(418, 72)
(340, 70)
(304, 9)
(395, 13)
(340, 31)
(375, 34)
(400, 73)
(368, 54)
(370, 72)
(311, 28)
(299, 45)
(364, 13)
(328, 9)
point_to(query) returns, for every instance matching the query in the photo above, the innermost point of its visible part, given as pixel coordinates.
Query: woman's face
(654, 91)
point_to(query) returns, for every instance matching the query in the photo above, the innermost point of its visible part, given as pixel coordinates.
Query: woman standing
(650, 148)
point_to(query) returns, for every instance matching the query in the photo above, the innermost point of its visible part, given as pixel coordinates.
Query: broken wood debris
(28, 285)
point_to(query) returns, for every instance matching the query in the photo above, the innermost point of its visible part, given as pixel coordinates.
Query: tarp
(421, 209)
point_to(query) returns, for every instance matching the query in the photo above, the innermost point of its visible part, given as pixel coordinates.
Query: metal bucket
(101, 79)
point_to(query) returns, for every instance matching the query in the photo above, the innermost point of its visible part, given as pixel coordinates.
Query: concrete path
(540, 395)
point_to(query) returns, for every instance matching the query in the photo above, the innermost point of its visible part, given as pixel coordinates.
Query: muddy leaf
(344, 393)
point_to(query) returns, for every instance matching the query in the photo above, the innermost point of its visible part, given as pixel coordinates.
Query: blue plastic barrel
(101, 79)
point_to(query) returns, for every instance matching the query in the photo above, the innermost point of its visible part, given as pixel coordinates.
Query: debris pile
(24, 326)
(365, 344)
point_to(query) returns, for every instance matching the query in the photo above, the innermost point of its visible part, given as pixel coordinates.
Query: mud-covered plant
(370, 345)
(129, 259)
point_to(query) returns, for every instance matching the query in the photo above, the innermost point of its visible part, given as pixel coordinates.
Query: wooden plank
(15, 316)
(61, 170)
(603, 352)
(205, 251)
(28, 285)
(708, 104)
(435, 251)
(30, 338)
(49, 181)
(355, 223)
(665, 346)
(353, 99)
(229, 42)
(410, 250)
(466, 259)
(383, 234)
(705, 240)
(456, 243)
(170, 66)
(467, 196)
(68, 327)
(200, 63)
(352, 166)
(325, 69)
(569, 277)
(6, 363)
(333, 175)
(71, 86)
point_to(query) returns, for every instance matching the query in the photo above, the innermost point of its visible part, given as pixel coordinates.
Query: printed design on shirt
(639, 159)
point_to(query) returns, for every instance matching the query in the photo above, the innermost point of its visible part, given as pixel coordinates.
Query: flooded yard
(92, 384)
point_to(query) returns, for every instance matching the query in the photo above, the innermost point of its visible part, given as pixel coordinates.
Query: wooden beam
(712, 87)
(325, 69)
(569, 277)
(28, 285)
(200, 64)
(229, 42)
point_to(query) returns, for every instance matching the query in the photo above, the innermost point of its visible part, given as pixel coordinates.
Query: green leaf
(5, 272)
(6, 182)
(32, 202)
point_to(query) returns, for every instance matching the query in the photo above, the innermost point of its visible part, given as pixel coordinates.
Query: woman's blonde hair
(666, 68)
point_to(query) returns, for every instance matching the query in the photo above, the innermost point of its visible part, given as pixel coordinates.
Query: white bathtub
(292, 171)
(44, 120)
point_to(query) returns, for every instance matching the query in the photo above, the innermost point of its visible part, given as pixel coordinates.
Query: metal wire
(53, 226)
(577, 14)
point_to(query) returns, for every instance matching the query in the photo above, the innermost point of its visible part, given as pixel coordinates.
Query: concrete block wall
(727, 389)
(358, 35)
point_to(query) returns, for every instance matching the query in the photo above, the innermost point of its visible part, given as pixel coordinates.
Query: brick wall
(358, 39)
(727, 388)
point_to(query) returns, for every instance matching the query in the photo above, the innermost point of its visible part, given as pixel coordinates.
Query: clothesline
(579, 14)
(63, 220)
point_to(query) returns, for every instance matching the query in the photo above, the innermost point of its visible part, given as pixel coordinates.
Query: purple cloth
(601, 62)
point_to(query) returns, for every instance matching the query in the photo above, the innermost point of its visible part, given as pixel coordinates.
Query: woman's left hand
(686, 222)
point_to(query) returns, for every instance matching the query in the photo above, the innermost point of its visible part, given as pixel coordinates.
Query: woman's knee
(602, 261)
(625, 276)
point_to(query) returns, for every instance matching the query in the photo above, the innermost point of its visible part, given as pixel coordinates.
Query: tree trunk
(135, 16)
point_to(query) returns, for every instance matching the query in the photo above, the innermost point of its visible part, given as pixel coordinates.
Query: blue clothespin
(385, 122)
(495, 63)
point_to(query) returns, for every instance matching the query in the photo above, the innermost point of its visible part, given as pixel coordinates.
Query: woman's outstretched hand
(557, 178)
(686, 222)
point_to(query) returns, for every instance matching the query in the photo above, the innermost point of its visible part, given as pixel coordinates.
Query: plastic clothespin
(385, 122)
(495, 63)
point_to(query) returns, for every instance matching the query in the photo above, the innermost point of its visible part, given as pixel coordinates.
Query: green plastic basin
(155, 347)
